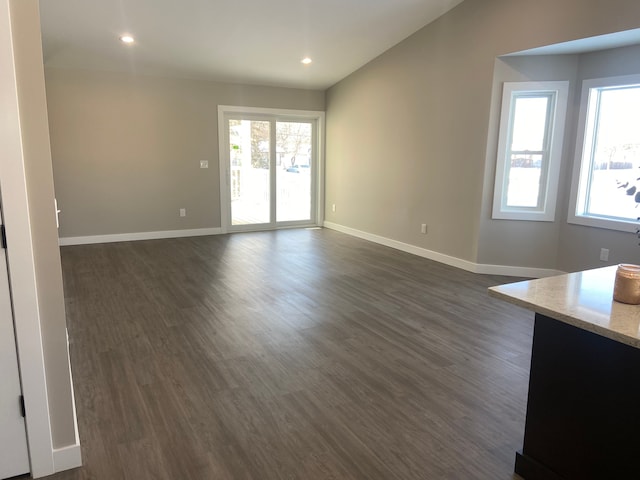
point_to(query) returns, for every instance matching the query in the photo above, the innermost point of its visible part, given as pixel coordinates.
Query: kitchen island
(583, 408)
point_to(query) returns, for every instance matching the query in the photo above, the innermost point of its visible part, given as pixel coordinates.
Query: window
(605, 182)
(529, 150)
(270, 168)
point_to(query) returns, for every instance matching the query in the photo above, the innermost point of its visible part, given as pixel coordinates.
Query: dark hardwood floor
(297, 354)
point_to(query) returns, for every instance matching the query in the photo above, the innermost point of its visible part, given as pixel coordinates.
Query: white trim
(486, 269)
(223, 162)
(551, 171)
(66, 458)
(20, 258)
(405, 247)
(320, 173)
(131, 237)
(280, 112)
(579, 175)
(514, 271)
(70, 456)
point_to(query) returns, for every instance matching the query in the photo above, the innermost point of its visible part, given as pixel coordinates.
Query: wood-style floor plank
(297, 354)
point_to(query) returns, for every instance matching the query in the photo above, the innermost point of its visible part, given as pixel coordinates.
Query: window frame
(580, 176)
(273, 115)
(550, 170)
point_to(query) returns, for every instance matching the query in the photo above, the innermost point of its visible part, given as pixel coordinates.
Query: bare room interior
(319, 240)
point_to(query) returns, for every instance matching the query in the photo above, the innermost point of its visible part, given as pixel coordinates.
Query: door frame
(21, 264)
(274, 114)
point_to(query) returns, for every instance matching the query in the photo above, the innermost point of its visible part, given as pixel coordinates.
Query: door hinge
(3, 232)
(23, 411)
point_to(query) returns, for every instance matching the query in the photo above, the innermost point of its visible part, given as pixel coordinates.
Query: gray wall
(525, 243)
(411, 138)
(25, 25)
(579, 246)
(407, 133)
(406, 144)
(127, 149)
(554, 244)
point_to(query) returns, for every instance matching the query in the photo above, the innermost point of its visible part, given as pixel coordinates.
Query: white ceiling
(583, 45)
(244, 41)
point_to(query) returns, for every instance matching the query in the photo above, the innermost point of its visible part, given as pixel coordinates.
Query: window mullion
(529, 150)
(593, 148)
(545, 154)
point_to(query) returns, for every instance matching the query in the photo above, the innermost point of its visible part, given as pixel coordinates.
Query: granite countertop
(583, 299)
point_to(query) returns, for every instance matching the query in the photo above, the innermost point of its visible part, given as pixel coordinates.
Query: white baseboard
(486, 269)
(67, 458)
(507, 270)
(128, 237)
(514, 271)
(70, 456)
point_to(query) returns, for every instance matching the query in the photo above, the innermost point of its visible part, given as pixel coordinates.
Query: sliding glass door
(270, 169)
(249, 168)
(293, 171)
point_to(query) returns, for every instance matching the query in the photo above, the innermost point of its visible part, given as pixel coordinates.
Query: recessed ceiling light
(306, 60)
(128, 39)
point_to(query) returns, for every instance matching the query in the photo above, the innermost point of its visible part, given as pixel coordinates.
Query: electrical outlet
(604, 254)
(423, 228)
(333, 207)
(204, 163)
(183, 212)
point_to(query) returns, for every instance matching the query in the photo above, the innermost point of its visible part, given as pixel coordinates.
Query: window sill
(525, 216)
(618, 225)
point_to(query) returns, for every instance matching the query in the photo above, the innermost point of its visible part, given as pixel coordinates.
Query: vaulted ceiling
(244, 41)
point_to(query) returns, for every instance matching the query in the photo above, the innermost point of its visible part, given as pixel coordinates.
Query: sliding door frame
(273, 115)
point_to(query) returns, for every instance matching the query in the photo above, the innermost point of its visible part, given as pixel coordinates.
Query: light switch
(204, 163)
